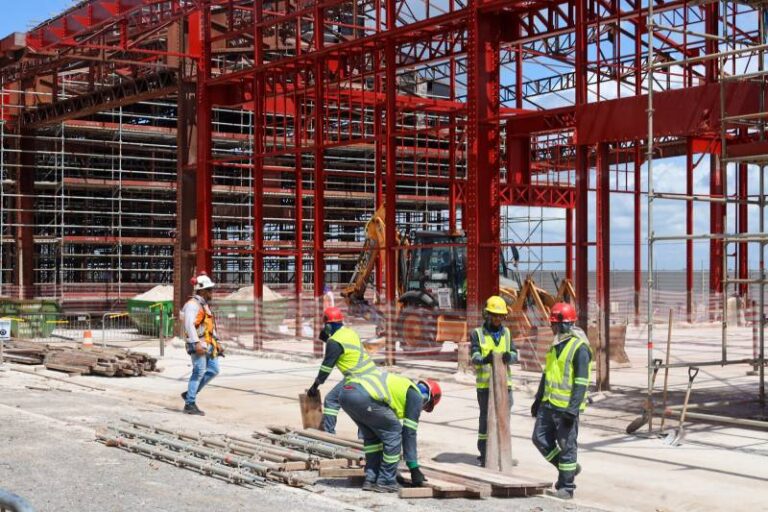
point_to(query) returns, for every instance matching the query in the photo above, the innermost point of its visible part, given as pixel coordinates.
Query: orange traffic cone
(87, 338)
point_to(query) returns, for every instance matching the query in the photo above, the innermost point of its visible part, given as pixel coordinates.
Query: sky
(20, 15)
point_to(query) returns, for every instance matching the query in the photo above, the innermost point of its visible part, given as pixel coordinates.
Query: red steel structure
(486, 103)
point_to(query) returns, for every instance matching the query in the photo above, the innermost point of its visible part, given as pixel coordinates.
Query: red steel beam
(204, 181)
(689, 168)
(319, 174)
(259, 117)
(603, 207)
(582, 170)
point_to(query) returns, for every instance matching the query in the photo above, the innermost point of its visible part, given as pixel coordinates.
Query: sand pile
(159, 293)
(246, 294)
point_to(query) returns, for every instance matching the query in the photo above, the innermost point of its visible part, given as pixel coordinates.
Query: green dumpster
(31, 318)
(152, 312)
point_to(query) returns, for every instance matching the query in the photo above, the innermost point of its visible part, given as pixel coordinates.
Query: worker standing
(490, 338)
(344, 350)
(561, 396)
(378, 402)
(202, 341)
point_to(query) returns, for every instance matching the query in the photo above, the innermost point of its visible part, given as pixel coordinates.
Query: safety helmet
(332, 314)
(202, 282)
(435, 393)
(562, 312)
(496, 305)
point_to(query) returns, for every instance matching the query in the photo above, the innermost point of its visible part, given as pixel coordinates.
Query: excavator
(431, 286)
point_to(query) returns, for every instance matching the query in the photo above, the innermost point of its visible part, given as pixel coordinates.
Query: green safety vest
(354, 360)
(487, 345)
(388, 388)
(559, 378)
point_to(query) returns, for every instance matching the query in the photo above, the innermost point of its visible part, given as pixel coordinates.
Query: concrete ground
(51, 458)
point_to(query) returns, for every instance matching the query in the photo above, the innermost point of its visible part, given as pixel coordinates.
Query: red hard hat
(333, 314)
(435, 394)
(562, 312)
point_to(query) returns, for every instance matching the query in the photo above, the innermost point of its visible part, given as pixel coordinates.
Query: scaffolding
(737, 150)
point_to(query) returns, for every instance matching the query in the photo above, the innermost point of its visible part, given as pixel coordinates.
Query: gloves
(324, 336)
(535, 408)
(509, 357)
(417, 477)
(567, 418)
(313, 391)
(488, 359)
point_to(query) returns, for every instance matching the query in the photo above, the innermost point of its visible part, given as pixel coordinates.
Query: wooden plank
(341, 472)
(416, 492)
(501, 404)
(311, 410)
(492, 444)
(441, 488)
(476, 488)
(485, 475)
(293, 466)
(332, 463)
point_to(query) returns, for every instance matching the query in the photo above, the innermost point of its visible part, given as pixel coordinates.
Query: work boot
(578, 469)
(563, 494)
(184, 396)
(192, 409)
(369, 486)
(386, 488)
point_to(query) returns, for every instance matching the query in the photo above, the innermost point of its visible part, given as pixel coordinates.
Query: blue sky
(20, 15)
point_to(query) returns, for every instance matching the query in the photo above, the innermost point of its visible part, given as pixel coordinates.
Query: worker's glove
(488, 359)
(200, 348)
(535, 408)
(568, 418)
(313, 391)
(417, 477)
(324, 335)
(509, 357)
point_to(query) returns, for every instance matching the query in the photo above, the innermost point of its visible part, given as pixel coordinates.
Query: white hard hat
(202, 282)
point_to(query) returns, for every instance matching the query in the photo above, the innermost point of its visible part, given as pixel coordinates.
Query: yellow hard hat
(496, 305)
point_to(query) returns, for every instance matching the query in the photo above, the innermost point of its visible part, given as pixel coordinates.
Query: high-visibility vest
(488, 345)
(354, 360)
(389, 388)
(205, 324)
(559, 377)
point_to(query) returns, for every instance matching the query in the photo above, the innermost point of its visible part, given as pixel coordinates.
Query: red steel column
(638, 269)
(319, 206)
(743, 225)
(390, 270)
(259, 119)
(299, 209)
(25, 216)
(689, 229)
(204, 183)
(716, 185)
(483, 206)
(569, 244)
(603, 207)
(582, 172)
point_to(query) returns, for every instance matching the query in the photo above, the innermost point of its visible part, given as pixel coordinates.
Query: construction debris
(108, 362)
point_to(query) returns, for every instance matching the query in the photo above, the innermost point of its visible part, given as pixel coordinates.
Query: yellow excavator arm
(373, 250)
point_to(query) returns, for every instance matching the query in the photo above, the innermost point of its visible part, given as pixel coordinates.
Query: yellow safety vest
(205, 323)
(487, 345)
(559, 377)
(389, 388)
(354, 360)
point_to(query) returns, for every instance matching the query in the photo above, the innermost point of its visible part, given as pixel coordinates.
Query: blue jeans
(204, 369)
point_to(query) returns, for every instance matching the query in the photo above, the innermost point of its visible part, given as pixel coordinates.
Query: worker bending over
(378, 402)
(490, 338)
(561, 396)
(344, 350)
(202, 341)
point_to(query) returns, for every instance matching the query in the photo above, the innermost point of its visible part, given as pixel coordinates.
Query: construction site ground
(50, 455)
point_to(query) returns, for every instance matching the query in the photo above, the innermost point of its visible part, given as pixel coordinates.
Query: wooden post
(498, 453)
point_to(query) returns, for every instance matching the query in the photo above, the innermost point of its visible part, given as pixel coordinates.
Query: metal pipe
(311, 445)
(14, 503)
(201, 466)
(726, 419)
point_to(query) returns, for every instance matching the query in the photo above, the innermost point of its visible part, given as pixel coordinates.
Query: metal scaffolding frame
(744, 131)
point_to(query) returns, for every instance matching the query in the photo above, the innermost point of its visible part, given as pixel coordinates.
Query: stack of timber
(443, 480)
(108, 362)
